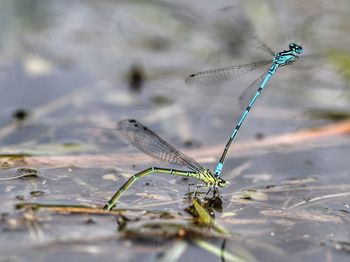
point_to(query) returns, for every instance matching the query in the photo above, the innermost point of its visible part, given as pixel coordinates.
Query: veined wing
(151, 144)
(246, 96)
(262, 46)
(223, 74)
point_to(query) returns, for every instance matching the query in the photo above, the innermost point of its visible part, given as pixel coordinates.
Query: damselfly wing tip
(189, 80)
(125, 123)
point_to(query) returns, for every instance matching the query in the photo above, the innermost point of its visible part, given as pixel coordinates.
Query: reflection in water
(222, 250)
(210, 204)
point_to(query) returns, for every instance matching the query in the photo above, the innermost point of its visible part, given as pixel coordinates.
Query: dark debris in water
(22, 173)
(136, 78)
(122, 222)
(338, 245)
(8, 161)
(334, 115)
(27, 218)
(162, 100)
(20, 114)
(90, 221)
(20, 197)
(142, 225)
(192, 143)
(159, 44)
(167, 230)
(70, 145)
(27, 173)
(37, 193)
(259, 136)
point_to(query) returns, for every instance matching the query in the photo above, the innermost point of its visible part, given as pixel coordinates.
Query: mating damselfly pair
(150, 143)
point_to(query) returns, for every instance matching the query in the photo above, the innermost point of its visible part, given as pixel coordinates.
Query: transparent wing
(247, 95)
(261, 45)
(151, 144)
(223, 74)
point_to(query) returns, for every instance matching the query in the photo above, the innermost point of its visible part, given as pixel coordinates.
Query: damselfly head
(296, 48)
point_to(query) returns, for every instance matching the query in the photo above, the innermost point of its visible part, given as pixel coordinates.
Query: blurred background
(70, 70)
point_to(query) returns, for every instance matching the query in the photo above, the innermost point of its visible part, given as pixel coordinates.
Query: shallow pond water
(70, 70)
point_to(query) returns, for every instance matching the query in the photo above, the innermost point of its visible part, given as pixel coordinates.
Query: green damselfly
(151, 144)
